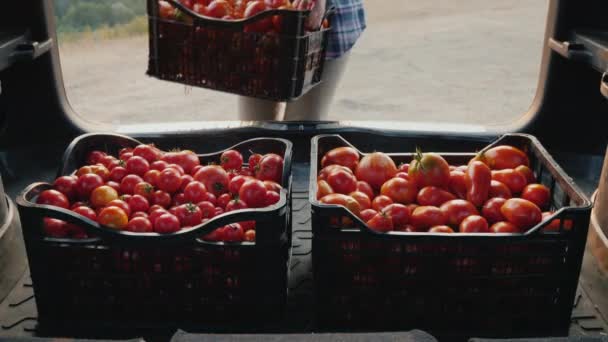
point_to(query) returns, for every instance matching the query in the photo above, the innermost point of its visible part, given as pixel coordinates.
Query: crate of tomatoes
(269, 49)
(472, 244)
(129, 236)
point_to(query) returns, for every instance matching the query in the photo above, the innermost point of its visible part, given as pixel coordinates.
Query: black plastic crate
(221, 55)
(123, 280)
(450, 284)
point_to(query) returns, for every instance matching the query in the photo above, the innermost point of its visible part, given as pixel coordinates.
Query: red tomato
(185, 159)
(138, 203)
(223, 200)
(399, 213)
(169, 180)
(215, 179)
(66, 185)
(126, 156)
(434, 196)
(345, 156)
(402, 175)
(137, 165)
(457, 184)
(429, 169)
(491, 209)
(179, 199)
(118, 173)
(165, 10)
(94, 157)
(537, 194)
(235, 183)
(101, 171)
(156, 213)
(125, 150)
(216, 235)
(218, 211)
(207, 209)
(231, 160)
(381, 222)
(425, 217)
(139, 225)
(233, 233)
(144, 189)
(254, 161)
(404, 167)
(120, 204)
(504, 227)
(139, 214)
(477, 179)
(78, 204)
(55, 228)
(194, 192)
(331, 168)
(400, 190)
(498, 189)
(127, 184)
(457, 210)
(86, 183)
(381, 202)
(253, 192)
(441, 229)
(125, 198)
(235, 204)
(270, 168)
(184, 181)
(161, 198)
(504, 157)
(195, 169)
(113, 217)
(84, 170)
(367, 214)
(375, 169)
(522, 213)
(209, 197)
(218, 9)
(362, 199)
(273, 186)
(474, 224)
(152, 177)
(365, 188)
(166, 223)
(555, 223)
(189, 215)
(344, 200)
(342, 182)
(179, 169)
(159, 165)
(511, 178)
(323, 189)
(272, 198)
(148, 152)
(103, 195)
(250, 235)
(262, 25)
(527, 172)
(86, 212)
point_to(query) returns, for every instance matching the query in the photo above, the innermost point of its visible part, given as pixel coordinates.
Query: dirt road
(473, 62)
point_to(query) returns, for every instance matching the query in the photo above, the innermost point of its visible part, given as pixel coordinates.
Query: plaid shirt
(348, 22)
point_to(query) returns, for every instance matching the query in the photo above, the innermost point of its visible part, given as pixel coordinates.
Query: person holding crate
(347, 25)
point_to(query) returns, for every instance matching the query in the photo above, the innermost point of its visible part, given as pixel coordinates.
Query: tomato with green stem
(429, 169)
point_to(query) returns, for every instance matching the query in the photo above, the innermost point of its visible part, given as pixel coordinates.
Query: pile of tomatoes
(147, 190)
(496, 192)
(236, 9)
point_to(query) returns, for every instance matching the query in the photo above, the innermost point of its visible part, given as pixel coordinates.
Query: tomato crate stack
(468, 283)
(128, 277)
(269, 55)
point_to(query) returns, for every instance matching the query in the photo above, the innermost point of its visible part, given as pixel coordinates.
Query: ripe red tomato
(429, 169)
(125, 156)
(399, 213)
(344, 200)
(477, 179)
(323, 189)
(118, 173)
(491, 209)
(511, 178)
(102, 195)
(342, 182)
(365, 188)
(404, 167)
(504, 157)
(254, 161)
(261, 25)
(235, 204)
(247, 225)
(86, 212)
(362, 199)
(270, 168)
(144, 189)
(425, 217)
(272, 198)
(223, 200)
(189, 215)
(125, 198)
(403, 175)
(78, 204)
(166, 223)
(184, 181)
(209, 197)
(441, 229)
(169, 180)
(215, 236)
(113, 217)
(207, 209)
(522, 213)
(253, 192)
(273, 186)
(139, 214)
(537, 194)
(345, 156)
(367, 214)
(179, 169)
(250, 235)
(94, 157)
(125, 150)
(84, 170)
(504, 227)
(151, 177)
(218, 9)
(381, 202)
(218, 211)
(555, 223)
(139, 203)
(332, 168)
(400, 190)
(137, 165)
(457, 184)
(66, 185)
(127, 184)
(156, 213)
(148, 152)
(120, 204)
(233, 233)
(457, 210)
(375, 169)
(87, 183)
(381, 222)
(474, 224)
(231, 160)
(55, 228)
(139, 225)
(236, 182)
(434, 196)
(187, 160)
(527, 172)
(215, 179)
(161, 198)
(194, 192)
(101, 171)
(498, 189)
(159, 165)
(179, 199)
